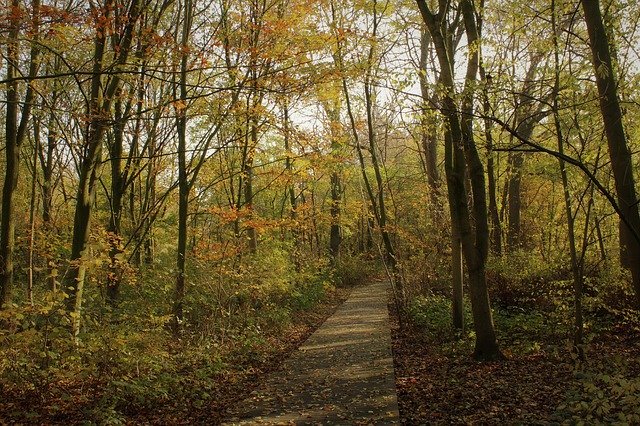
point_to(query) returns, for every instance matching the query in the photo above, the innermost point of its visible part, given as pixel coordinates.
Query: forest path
(343, 374)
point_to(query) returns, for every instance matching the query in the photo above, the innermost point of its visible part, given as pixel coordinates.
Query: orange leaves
(247, 217)
(227, 215)
(179, 105)
(213, 251)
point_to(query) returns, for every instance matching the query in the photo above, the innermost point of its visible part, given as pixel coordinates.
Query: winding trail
(342, 375)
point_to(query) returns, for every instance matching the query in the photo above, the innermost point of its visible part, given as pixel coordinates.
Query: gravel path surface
(342, 375)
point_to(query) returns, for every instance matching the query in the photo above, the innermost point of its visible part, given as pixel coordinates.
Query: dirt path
(343, 374)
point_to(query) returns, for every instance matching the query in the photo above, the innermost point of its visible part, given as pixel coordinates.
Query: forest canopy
(189, 174)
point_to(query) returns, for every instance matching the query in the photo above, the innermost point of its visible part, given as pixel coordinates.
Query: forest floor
(234, 382)
(237, 383)
(439, 383)
(436, 380)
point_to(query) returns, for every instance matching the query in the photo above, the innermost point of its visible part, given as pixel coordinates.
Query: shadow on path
(342, 374)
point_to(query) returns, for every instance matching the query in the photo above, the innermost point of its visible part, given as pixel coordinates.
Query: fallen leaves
(438, 386)
(438, 383)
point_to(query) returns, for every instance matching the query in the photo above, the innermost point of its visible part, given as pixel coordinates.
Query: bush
(608, 394)
(525, 280)
(433, 314)
(350, 271)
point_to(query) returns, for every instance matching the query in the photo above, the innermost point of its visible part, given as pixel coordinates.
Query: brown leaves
(437, 386)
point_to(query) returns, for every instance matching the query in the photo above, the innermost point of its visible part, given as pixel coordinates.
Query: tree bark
(428, 125)
(335, 231)
(465, 161)
(47, 166)
(117, 197)
(15, 131)
(98, 111)
(495, 227)
(183, 181)
(514, 200)
(619, 153)
(291, 189)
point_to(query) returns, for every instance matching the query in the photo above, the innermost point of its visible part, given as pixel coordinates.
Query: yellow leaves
(330, 91)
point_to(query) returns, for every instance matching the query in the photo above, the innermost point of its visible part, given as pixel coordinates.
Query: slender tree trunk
(428, 125)
(335, 236)
(619, 153)
(495, 227)
(455, 190)
(515, 238)
(89, 171)
(381, 215)
(98, 111)
(335, 233)
(457, 274)
(291, 192)
(183, 182)
(248, 182)
(514, 200)
(15, 131)
(46, 163)
(12, 153)
(376, 198)
(117, 196)
(527, 117)
(576, 269)
(33, 205)
(475, 239)
(150, 197)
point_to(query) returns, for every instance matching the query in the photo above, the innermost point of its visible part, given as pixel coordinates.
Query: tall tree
(428, 124)
(619, 153)
(375, 190)
(183, 182)
(575, 263)
(527, 115)
(103, 89)
(16, 122)
(469, 215)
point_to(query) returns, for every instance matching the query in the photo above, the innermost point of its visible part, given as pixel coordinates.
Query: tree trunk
(475, 240)
(291, 192)
(248, 181)
(12, 153)
(495, 227)
(183, 182)
(428, 125)
(335, 232)
(117, 196)
(457, 296)
(514, 200)
(15, 131)
(46, 163)
(455, 190)
(619, 153)
(376, 198)
(98, 111)
(576, 268)
(335, 236)
(526, 119)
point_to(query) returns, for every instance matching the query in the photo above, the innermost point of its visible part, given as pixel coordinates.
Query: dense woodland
(183, 180)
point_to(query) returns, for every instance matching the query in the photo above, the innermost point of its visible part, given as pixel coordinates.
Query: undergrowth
(533, 315)
(127, 361)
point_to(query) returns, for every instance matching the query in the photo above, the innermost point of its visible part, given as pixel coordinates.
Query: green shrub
(523, 279)
(608, 394)
(433, 314)
(355, 270)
